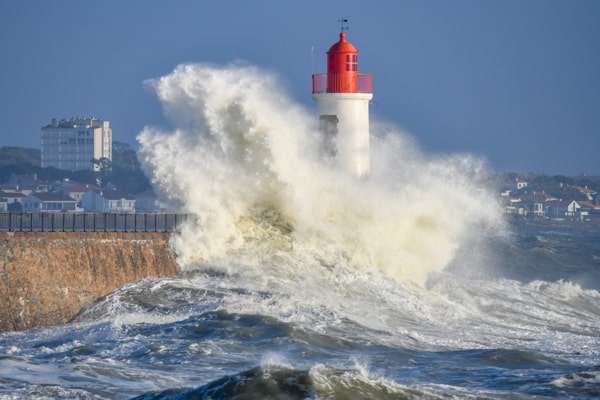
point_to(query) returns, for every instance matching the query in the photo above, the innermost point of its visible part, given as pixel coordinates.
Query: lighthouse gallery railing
(365, 83)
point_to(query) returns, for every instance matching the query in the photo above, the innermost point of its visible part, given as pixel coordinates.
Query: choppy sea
(300, 282)
(528, 329)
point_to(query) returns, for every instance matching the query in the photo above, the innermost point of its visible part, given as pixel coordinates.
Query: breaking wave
(243, 160)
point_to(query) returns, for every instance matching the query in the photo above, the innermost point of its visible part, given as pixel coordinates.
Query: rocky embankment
(47, 278)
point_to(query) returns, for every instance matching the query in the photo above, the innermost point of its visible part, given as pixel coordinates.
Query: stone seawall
(47, 278)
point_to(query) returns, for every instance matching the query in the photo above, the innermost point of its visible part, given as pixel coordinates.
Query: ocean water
(300, 282)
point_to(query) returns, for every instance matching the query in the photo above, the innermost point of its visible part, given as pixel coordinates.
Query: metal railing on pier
(90, 222)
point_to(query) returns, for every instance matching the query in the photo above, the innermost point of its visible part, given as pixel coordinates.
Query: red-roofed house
(74, 189)
(590, 207)
(27, 184)
(589, 193)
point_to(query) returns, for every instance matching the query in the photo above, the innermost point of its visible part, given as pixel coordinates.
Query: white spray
(243, 160)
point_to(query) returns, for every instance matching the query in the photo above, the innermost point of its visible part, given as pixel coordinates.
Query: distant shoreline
(559, 225)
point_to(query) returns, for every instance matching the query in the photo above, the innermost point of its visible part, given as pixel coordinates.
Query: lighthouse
(342, 97)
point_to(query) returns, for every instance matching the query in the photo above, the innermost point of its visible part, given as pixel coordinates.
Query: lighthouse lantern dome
(342, 67)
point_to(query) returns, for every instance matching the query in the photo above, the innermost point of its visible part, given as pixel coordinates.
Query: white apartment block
(71, 144)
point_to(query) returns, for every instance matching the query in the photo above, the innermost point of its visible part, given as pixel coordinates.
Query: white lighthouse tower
(342, 96)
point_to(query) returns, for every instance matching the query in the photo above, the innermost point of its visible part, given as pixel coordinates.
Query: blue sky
(514, 81)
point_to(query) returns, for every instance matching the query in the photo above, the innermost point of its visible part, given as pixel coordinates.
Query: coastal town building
(564, 208)
(147, 202)
(74, 189)
(49, 202)
(542, 205)
(14, 200)
(26, 184)
(588, 193)
(74, 144)
(108, 201)
(520, 185)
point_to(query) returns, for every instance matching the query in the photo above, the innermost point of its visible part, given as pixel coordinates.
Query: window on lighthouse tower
(351, 62)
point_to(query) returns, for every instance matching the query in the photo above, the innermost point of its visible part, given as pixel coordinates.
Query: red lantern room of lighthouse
(342, 96)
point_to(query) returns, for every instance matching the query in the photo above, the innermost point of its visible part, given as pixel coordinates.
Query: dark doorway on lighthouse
(328, 126)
